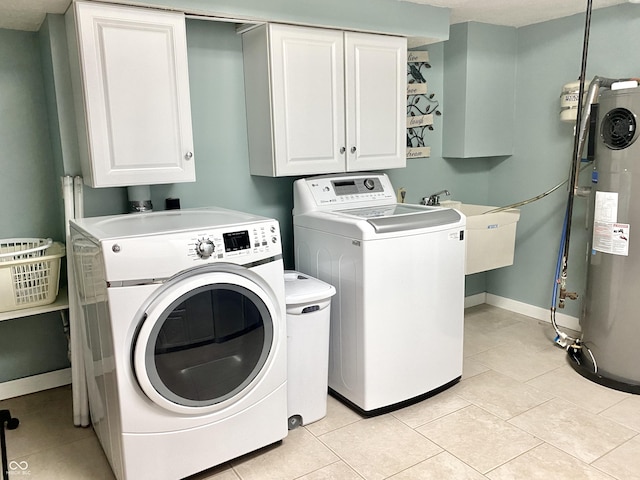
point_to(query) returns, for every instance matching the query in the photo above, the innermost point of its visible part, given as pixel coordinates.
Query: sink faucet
(434, 199)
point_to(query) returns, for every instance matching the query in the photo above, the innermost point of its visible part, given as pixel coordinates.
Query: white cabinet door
(307, 78)
(324, 101)
(376, 102)
(135, 85)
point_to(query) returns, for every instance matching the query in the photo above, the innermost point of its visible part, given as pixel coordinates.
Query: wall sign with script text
(421, 105)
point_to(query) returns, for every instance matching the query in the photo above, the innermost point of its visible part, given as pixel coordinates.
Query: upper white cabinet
(131, 86)
(479, 93)
(324, 101)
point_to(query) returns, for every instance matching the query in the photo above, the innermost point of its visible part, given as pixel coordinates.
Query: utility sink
(491, 237)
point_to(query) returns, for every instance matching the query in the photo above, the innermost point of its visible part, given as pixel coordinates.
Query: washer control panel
(349, 189)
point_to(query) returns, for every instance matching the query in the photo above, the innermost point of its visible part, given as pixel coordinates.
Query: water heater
(610, 349)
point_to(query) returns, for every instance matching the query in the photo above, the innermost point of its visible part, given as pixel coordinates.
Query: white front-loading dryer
(185, 340)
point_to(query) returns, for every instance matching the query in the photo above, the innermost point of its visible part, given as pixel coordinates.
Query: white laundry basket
(29, 272)
(308, 315)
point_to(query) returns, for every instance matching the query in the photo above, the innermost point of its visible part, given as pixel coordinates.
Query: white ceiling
(515, 13)
(29, 14)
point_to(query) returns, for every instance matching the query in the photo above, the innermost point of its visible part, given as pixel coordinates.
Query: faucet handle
(434, 199)
(430, 200)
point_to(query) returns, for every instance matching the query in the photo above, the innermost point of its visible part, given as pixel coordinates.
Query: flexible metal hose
(532, 199)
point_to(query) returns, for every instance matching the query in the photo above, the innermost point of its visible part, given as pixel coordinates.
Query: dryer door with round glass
(205, 340)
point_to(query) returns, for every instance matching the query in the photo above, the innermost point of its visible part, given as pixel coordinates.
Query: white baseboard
(473, 300)
(539, 313)
(35, 383)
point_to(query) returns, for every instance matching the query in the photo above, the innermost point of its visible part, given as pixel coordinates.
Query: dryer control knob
(205, 248)
(369, 184)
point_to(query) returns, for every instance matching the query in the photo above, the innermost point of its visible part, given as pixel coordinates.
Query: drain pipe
(578, 146)
(139, 197)
(562, 338)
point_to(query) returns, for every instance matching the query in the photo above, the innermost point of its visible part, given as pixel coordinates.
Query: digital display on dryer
(235, 241)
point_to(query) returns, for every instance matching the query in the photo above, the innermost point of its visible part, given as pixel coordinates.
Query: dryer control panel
(340, 191)
(157, 245)
(222, 244)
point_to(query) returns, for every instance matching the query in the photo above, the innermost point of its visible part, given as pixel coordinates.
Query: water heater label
(609, 237)
(606, 207)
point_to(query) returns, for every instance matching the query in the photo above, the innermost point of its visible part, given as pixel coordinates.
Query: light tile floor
(520, 412)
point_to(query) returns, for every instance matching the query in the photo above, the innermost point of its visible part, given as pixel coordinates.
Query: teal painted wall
(480, 64)
(382, 16)
(549, 55)
(61, 117)
(39, 144)
(466, 180)
(32, 203)
(541, 159)
(220, 135)
(28, 182)
(61, 113)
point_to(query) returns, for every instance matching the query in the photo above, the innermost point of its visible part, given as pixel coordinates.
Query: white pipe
(73, 203)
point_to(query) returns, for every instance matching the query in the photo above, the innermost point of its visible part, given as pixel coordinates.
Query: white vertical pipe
(81, 394)
(78, 197)
(73, 201)
(67, 196)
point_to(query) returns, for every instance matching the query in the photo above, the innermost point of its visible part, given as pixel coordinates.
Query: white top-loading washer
(397, 317)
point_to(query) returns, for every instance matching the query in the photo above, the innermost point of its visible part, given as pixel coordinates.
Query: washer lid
(401, 217)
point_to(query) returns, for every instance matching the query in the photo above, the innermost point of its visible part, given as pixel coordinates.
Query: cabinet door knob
(353, 149)
(342, 149)
(188, 155)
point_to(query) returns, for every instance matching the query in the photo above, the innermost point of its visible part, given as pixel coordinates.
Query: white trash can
(308, 310)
